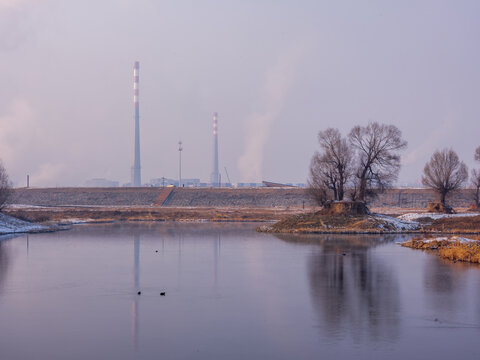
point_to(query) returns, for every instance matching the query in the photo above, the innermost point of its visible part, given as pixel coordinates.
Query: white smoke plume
(21, 133)
(277, 82)
(17, 130)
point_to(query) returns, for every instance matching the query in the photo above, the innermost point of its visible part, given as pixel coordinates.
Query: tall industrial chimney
(215, 177)
(136, 178)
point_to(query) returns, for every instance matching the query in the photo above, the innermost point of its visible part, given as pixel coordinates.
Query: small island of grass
(347, 217)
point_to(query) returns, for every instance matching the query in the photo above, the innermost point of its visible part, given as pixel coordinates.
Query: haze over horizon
(276, 72)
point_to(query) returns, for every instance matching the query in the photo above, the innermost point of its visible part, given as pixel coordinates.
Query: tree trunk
(363, 189)
(443, 195)
(340, 192)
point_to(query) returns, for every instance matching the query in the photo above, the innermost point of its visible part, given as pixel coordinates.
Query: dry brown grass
(457, 225)
(467, 252)
(449, 249)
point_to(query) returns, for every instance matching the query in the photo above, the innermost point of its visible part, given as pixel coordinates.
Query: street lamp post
(180, 148)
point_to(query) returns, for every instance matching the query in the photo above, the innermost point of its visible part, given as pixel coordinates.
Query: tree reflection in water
(4, 261)
(353, 291)
(445, 282)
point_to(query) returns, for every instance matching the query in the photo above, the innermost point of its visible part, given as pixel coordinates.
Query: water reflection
(296, 298)
(445, 284)
(4, 261)
(216, 256)
(351, 289)
(136, 286)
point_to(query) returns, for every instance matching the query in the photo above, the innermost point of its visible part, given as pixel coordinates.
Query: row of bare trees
(365, 162)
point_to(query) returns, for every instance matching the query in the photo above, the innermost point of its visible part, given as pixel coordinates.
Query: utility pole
(180, 148)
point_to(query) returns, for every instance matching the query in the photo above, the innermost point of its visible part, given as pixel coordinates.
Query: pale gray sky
(277, 72)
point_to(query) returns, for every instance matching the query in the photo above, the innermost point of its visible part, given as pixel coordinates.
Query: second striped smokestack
(136, 177)
(215, 177)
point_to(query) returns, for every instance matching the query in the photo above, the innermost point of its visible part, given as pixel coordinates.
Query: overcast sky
(276, 71)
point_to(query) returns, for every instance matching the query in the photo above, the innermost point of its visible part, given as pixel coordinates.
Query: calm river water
(231, 293)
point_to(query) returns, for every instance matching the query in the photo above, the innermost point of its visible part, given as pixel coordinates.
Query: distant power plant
(136, 177)
(136, 180)
(215, 177)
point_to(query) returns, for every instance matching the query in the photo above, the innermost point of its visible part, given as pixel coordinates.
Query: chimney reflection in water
(216, 256)
(136, 265)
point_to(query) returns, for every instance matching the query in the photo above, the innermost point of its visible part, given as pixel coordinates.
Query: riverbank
(454, 248)
(88, 214)
(12, 225)
(287, 220)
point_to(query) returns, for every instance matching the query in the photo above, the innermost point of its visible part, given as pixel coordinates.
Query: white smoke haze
(19, 129)
(278, 79)
(46, 174)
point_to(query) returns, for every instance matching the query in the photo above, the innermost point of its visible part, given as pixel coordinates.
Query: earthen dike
(213, 197)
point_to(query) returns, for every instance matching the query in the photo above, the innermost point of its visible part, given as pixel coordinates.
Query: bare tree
(5, 187)
(331, 169)
(377, 148)
(319, 181)
(476, 186)
(476, 179)
(322, 182)
(444, 173)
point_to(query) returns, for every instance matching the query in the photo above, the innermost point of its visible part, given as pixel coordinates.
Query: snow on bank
(11, 225)
(392, 223)
(459, 239)
(433, 216)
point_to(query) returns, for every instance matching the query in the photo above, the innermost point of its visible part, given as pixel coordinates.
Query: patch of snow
(397, 224)
(434, 216)
(460, 239)
(75, 221)
(400, 224)
(11, 225)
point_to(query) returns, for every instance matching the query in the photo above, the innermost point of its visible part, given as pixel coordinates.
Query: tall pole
(180, 148)
(136, 177)
(215, 177)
